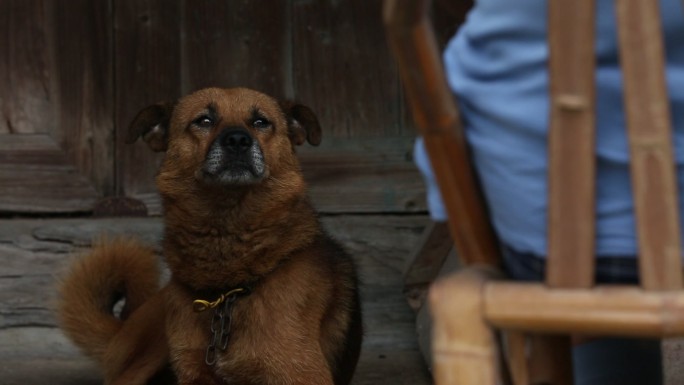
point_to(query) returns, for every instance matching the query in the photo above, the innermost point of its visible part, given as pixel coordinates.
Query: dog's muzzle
(234, 157)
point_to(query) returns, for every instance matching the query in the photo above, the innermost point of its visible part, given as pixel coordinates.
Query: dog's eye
(261, 123)
(203, 122)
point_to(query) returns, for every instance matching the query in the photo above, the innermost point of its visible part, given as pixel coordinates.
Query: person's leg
(603, 360)
(529, 267)
(618, 361)
(522, 266)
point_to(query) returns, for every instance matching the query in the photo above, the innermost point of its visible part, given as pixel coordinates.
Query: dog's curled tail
(112, 270)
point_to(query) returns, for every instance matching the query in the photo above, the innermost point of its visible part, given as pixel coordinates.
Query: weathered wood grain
(391, 366)
(56, 87)
(426, 262)
(40, 355)
(25, 96)
(246, 46)
(343, 69)
(36, 175)
(375, 175)
(82, 233)
(81, 59)
(147, 70)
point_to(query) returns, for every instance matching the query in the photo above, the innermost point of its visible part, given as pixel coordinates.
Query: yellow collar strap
(200, 305)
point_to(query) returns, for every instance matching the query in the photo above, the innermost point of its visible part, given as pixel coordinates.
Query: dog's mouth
(234, 158)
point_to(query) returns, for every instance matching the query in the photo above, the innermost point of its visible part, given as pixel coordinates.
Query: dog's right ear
(302, 123)
(152, 124)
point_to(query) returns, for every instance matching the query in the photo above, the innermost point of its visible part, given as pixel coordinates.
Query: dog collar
(221, 321)
(200, 305)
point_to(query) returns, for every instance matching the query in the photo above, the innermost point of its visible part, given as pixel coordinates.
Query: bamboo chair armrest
(626, 311)
(413, 43)
(604, 310)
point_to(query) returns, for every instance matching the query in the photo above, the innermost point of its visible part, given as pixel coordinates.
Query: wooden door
(56, 132)
(75, 72)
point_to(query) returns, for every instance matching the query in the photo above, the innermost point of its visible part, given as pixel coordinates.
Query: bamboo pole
(654, 182)
(606, 310)
(464, 346)
(571, 218)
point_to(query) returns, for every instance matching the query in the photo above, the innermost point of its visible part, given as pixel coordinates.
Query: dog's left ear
(152, 124)
(302, 124)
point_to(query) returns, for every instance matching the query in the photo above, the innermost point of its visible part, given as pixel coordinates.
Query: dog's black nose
(237, 140)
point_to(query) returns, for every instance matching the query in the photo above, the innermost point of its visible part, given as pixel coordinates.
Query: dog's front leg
(293, 362)
(188, 337)
(310, 370)
(188, 372)
(190, 368)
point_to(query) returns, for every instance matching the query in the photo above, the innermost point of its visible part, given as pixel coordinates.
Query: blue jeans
(604, 361)
(529, 267)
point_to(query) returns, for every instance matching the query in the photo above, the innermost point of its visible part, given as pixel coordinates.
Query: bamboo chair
(473, 305)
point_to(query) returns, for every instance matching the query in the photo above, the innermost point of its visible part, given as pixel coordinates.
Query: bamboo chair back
(568, 302)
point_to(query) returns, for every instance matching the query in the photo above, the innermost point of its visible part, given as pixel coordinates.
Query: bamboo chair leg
(538, 359)
(516, 343)
(550, 360)
(464, 347)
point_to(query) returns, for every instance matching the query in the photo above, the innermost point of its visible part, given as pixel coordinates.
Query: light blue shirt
(497, 67)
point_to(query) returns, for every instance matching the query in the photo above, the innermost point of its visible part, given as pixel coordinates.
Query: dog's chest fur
(225, 245)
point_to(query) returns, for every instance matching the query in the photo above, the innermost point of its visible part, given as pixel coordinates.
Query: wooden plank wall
(56, 151)
(80, 72)
(343, 69)
(147, 70)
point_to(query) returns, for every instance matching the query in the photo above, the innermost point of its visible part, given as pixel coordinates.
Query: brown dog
(259, 294)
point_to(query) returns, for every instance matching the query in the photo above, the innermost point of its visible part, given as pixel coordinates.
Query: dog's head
(227, 137)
